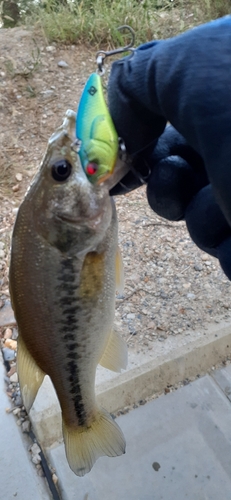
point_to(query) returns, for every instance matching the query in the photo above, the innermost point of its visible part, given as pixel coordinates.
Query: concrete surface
(186, 434)
(18, 477)
(169, 362)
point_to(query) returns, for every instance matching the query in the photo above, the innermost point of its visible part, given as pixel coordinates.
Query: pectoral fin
(29, 374)
(85, 444)
(115, 355)
(119, 272)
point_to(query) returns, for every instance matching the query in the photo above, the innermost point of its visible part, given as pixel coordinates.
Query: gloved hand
(186, 81)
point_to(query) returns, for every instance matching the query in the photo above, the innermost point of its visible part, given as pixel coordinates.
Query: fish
(95, 132)
(65, 268)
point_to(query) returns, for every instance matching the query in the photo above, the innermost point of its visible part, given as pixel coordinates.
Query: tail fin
(85, 445)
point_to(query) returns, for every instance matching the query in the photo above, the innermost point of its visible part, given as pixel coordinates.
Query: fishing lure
(97, 139)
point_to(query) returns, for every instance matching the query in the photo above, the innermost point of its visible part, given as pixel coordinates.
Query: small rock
(131, 316)
(2, 244)
(191, 296)
(2, 254)
(8, 354)
(15, 334)
(198, 267)
(50, 48)
(47, 93)
(8, 333)
(36, 459)
(26, 426)
(15, 188)
(54, 478)
(12, 371)
(12, 344)
(18, 177)
(16, 411)
(41, 473)
(18, 400)
(62, 64)
(35, 450)
(14, 378)
(18, 422)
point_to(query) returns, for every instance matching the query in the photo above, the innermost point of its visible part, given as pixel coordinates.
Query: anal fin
(29, 374)
(115, 355)
(84, 445)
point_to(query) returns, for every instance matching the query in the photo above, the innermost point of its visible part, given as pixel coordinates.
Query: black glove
(185, 80)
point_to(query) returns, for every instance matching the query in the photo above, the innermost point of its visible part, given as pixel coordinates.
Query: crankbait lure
(97, 139)
(96, 135)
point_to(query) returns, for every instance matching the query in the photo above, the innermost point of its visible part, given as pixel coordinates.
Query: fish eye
(61, 170)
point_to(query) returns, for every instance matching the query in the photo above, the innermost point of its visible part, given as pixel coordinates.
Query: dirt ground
(171, 287)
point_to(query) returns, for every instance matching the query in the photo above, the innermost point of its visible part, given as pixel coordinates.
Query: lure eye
(61, 170)
(91, 168)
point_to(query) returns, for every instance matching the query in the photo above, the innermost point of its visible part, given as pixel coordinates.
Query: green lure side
(95, 132)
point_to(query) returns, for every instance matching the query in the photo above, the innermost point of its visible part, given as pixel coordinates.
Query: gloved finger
(205, 221)
(172, 184)
(135, 124)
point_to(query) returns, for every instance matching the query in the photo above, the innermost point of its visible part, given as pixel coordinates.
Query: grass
(95, 22)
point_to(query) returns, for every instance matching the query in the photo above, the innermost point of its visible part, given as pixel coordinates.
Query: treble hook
(102, 54)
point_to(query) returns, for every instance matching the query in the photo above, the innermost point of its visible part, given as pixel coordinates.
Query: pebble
(36, 459)
(14, 377)
(191, 296)
(2, 254)
(54, 478)
(18, 177)
(26, 426)
(12, 344)
(7, 315)
(18, 400)
(198, 267)
(15, 188)
(11, 371)
(8, 333)
(8, 354)
(2, 245)
(16, 411)
(47, 93)
(50, 48)
(131, 316)
(35, 449)
(62, 64)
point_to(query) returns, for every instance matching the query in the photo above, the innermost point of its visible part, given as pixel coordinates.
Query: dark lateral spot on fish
(67, 278)
(71, 347)
(69, 337)
(70, 310)
(156, 466)
(76, 391)
(66, 287)
(67, 301)
(71, 355)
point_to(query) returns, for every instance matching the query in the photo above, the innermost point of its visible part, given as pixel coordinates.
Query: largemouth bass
(64, 271)
(95, 132)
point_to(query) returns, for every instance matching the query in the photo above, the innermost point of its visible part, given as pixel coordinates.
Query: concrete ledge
(197, 356)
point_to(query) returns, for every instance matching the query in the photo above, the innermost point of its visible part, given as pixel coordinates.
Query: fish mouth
(94, 220)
